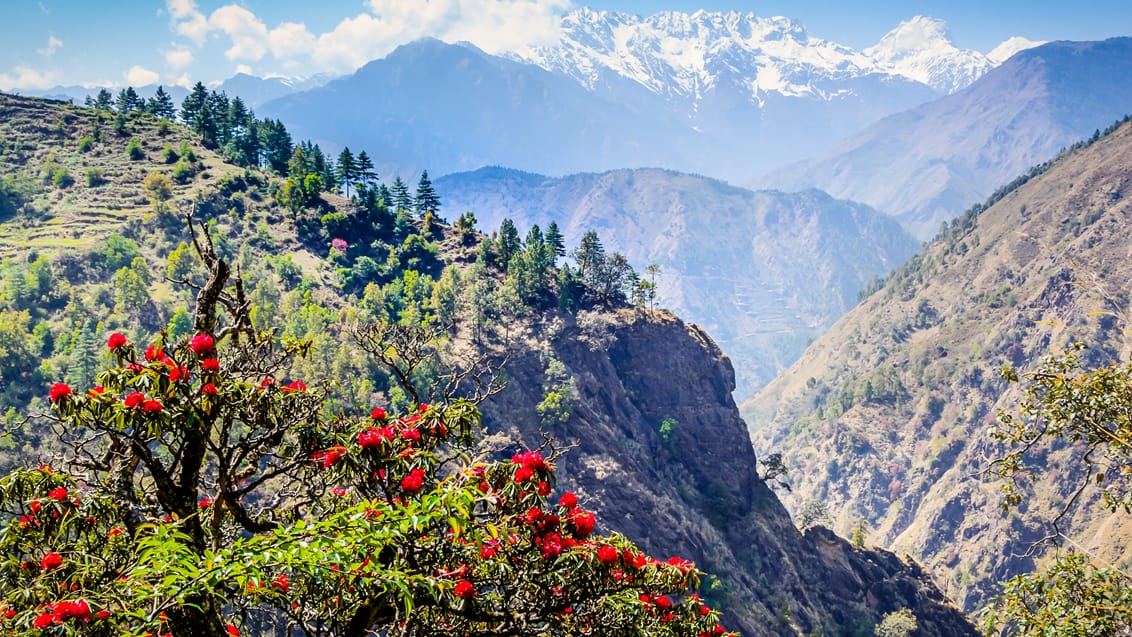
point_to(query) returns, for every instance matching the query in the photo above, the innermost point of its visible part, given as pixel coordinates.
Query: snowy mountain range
(684, 56)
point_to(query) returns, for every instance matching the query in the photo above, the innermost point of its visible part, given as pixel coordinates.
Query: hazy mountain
(885, 416)
(930, 163)
(252, 90)
(762, 272)
(725, 94)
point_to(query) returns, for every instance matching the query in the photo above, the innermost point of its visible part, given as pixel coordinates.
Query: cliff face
(692, 489)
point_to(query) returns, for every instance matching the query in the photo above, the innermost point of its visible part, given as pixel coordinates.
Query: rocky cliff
(691, 489)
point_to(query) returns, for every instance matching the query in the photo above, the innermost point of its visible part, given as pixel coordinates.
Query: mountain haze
(763, 272)
(930, 163)
(884, 417)
(724, 94)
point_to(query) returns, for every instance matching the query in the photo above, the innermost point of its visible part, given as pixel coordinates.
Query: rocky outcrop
(693, 490)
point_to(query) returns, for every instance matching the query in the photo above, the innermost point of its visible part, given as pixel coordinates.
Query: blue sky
(52, 42)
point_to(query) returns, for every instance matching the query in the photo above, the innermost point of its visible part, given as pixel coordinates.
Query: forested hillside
(321, 254)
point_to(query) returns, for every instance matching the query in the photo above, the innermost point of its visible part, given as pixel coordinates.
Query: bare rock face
(692, 489)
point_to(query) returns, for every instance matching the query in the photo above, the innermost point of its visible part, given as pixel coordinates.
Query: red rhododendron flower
(232, 630)
(374, 438)
(551, 545)
(569, 500)
(44, 620)
(543, 488)
(423, 407)
(59, 391)
(155, 353)
(201, 344)
(178, 373)
(378, 414)
(663, 602)
(210, 365)
(205, 503)
(413, 482)
(266, 382)
(96, 391)
(411, 435)
(58, 494)
(465, 589)
(338, 491)
(522, 474)
(608, 555)
(103, 614)
(208, 388)
(151, 407)
(329, 457)
(583, 522)
(280, 582)
(531, 460)
(134, 399)
(116, 340)
(295, 385)
(487, 552)
(51, 561)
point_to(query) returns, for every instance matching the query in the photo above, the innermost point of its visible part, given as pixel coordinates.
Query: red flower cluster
(201, 344)
(295, 385)
(413, 482)
(62, 611)
(210, 365)
(465, 589)
(59, 391)
(58, 494)
(374, 438)
(530, 464)
(51, 561)
(608, 555)
(116, 341)
(329, 457)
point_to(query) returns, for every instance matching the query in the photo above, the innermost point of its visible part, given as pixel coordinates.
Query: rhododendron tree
(203, 497)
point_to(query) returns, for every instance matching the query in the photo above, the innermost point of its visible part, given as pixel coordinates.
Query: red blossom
(280, 582)
(608, 555)
(522, 474)
(152, 407)
(568, 500)
(178, 373)
(208, 388)
(210, 365)
(103, 614)
(134, 399)
(59, 494)
(411, 435)
(378, 414)
(96, 391)
(44, 620)
(413, 482)
(339, 491)
(465, 589)
(232, 630)
(329, 457)
(201, 344)
(59, 391)
(51, 561)
(374, 438)
(543, 489)
(116, 341)
(205, 503)
(155, 353)
(582, 521)
(295, 385)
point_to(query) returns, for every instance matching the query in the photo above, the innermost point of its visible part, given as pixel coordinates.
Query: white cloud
(244, 68)
(184, 80)
(140, 76)
(493, 25)
(187, 21)
(53, 45)
(247, 33)
(25, 77)
(178, 58)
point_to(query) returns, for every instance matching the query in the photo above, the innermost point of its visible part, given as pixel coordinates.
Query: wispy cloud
(53, 45)
(178, 58)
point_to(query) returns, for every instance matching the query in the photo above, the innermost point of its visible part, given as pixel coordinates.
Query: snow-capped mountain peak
(1007, 49)
(921, 49)
(683, 55)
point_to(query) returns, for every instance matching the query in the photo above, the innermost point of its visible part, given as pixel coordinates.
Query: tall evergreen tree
(555, 241)
(194, 105)
(104, 100)
(366, 173)
(427, 199)
(161, 104)
(128, 100)
(402, 200)
(276, 144)
(347, 172)
(507, 243)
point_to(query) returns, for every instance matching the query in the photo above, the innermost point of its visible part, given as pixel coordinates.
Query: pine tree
(366, 173)
(402, 200)
(128, 100)
(347, 172)
(104, 100)
(507, 243)
(555, 240)
(194, 104)
(427, 199)
(276, 144)
(161, 104)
